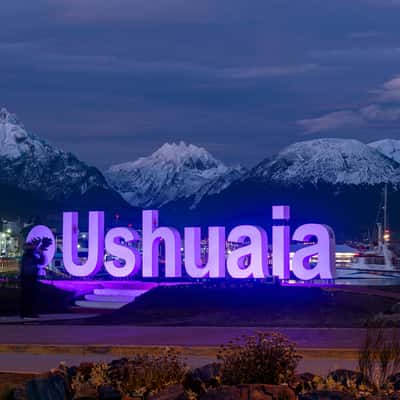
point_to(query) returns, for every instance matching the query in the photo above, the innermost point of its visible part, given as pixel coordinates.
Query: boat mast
(385, 209)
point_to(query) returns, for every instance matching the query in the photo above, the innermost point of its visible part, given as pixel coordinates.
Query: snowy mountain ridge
(174, 171)
(180, 171)
(31, 163)
(334, 161)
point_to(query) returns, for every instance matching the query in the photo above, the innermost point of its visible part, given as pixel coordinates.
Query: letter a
(325, 248)
(250, 261)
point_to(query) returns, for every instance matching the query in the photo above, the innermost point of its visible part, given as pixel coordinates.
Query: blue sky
(113, 80)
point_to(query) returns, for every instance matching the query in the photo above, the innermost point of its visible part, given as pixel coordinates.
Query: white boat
(375, 266)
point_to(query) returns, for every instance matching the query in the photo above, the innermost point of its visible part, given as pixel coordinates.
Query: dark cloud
(113, 80)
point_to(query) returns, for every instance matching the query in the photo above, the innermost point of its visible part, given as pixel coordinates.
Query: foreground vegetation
(260, 367)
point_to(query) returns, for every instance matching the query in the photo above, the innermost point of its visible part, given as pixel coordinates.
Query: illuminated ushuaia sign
(248, 260)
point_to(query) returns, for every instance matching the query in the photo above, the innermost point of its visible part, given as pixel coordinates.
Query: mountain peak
(330, 160)
(7, 117)
(175, 170)
(32, 164)
(188, 154)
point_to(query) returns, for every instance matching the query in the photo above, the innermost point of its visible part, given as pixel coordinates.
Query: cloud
(134, 10)
(359, 54)
(384, 3)
(267, 71)
(132, 63)
(337, 120)
(390, 91)
(363, 35)
(15, 53)
(331, 121)
(377, 112)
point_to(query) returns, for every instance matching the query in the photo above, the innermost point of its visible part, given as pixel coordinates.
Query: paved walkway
(36, 363)
(120, 335)
(15, 319)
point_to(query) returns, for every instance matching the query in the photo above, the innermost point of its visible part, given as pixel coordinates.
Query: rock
(173, 392)
(327, 395)
(193, 384)
(72, 371)
(54, 387)
(344, 375)
(266, 392)
(201, 378)
(250, 392)
(207, 373)
(108, 392)
(304, 382)
(222, 393)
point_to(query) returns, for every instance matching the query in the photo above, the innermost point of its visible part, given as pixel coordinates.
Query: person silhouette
(32, 257)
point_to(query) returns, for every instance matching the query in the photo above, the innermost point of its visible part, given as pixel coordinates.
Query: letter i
(281, 242)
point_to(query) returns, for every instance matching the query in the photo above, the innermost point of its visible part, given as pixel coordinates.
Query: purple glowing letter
(325, 248)
(42, 231)
(249, 261)
(215, 266)
(281, 243)
(95, 248)
(152, 238)
(117, 240)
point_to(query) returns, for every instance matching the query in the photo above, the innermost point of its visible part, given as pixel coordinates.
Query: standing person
(31, 259)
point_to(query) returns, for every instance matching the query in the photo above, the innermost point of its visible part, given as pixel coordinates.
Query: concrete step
(100, 305)
(110, 299)
(119, 292)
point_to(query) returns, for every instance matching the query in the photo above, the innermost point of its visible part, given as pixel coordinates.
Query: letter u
(95, 258)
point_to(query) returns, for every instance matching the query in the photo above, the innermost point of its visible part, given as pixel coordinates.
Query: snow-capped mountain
(33, 165)
(337, 182)
(388, 147)
(333, 161)
(174, 171)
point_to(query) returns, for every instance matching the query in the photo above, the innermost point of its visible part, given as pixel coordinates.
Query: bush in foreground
(139, 375)
(266, 357)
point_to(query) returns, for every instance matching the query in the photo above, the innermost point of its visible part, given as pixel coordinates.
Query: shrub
(379, 354)
(144, 374)
(139, 375)
(266, 357)
(89, 377)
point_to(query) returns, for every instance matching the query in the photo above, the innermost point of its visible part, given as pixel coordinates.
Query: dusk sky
(112, 80)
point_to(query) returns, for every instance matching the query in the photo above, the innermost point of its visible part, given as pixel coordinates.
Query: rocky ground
(201, 383)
